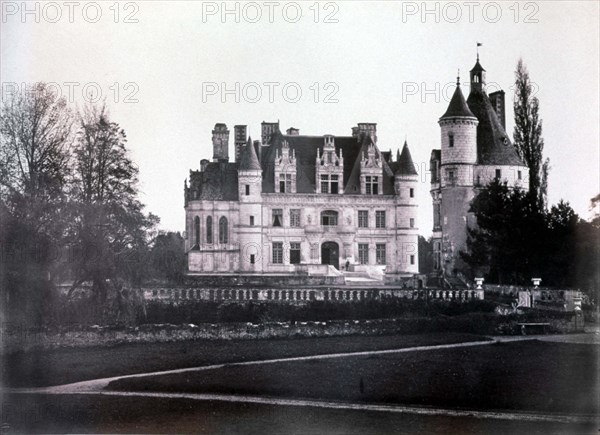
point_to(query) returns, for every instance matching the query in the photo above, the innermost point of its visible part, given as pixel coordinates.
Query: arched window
(223, 236)
(209, 230)
(196, 231)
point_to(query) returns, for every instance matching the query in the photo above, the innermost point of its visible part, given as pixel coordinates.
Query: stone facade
(475, 149)
(303, 205)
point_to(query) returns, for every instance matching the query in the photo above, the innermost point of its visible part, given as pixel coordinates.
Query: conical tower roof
(458, 106)
(249, 160)
(405, 163)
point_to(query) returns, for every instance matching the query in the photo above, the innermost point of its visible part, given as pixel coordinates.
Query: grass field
(43, 368)
(94, 414)
(521, 376)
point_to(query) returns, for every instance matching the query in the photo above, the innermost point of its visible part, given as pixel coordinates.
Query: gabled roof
(405, 164)
(494, 147)
(458, 106)
(248, 159)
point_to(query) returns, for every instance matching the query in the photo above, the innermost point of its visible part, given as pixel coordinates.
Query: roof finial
(458, 78)
(479, 44)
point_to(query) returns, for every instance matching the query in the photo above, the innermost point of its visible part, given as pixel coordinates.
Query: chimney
(368, 128)
(497, 100)
(240, 138)
(355, 132)
(203, 165)
(220, 140)
(292, 131)
(267, 129)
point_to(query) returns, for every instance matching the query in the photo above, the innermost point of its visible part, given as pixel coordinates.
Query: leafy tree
(168, 257)
(509, 237)
(109, 227)
(527, 135)
(425, 255)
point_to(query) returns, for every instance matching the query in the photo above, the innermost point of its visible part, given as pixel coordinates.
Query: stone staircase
(361, 278)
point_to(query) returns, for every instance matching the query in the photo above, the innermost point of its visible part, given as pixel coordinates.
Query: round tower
(250, 220)
(459, 142)
(406, 182)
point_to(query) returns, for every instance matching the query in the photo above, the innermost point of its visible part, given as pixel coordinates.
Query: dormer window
(329, 184)
(450, 140)
(372, 185)
(285, 183)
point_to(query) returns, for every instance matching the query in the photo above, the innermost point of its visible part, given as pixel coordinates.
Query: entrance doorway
(330, 254)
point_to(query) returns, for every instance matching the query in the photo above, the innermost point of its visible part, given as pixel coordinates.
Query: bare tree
(35, 136)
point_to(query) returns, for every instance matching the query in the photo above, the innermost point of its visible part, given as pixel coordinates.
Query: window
(519, 175)
(372, 185)
(412, 222)
(294, 253)
(329, 218)
(363, 219)
(294, 217)
(412, 259)
(277, 217)
(223, 232)
(251, 221)
(285, 183)
(209, 230)
(380, 219)
(247, 189)
(197, 231)
(380, 253)
(330, 184)
(278, 253)
(252, 258)
(450, 140)
(411, 192)
(498, 174)
(363, 253)
(451, 176)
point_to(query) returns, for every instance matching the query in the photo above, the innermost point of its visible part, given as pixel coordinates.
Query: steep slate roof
(458, 105)
(306, 147)
(248, 159)
(493, 144)
(218, 182)
(405, 165)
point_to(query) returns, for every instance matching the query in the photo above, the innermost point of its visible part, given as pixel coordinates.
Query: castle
(293, 204)
(475, 149)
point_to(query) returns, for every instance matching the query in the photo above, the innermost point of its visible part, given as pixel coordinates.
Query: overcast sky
(385, 62)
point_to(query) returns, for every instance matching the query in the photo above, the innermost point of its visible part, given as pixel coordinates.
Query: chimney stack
(220, 140)
(497, 100)
(240, 132)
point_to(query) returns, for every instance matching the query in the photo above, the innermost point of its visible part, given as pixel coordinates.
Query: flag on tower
(479, 44)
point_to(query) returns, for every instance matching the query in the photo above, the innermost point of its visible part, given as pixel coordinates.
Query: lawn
(523, 376)
(43, 368)
(97, 414)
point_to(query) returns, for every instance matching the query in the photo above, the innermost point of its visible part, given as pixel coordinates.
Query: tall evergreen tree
(527, 135)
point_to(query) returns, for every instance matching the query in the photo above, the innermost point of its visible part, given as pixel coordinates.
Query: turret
(477, 77)
(459, 141)
(406, 177)
(249, 173)
(250, 218)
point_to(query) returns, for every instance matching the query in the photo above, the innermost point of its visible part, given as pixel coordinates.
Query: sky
(169, 71)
